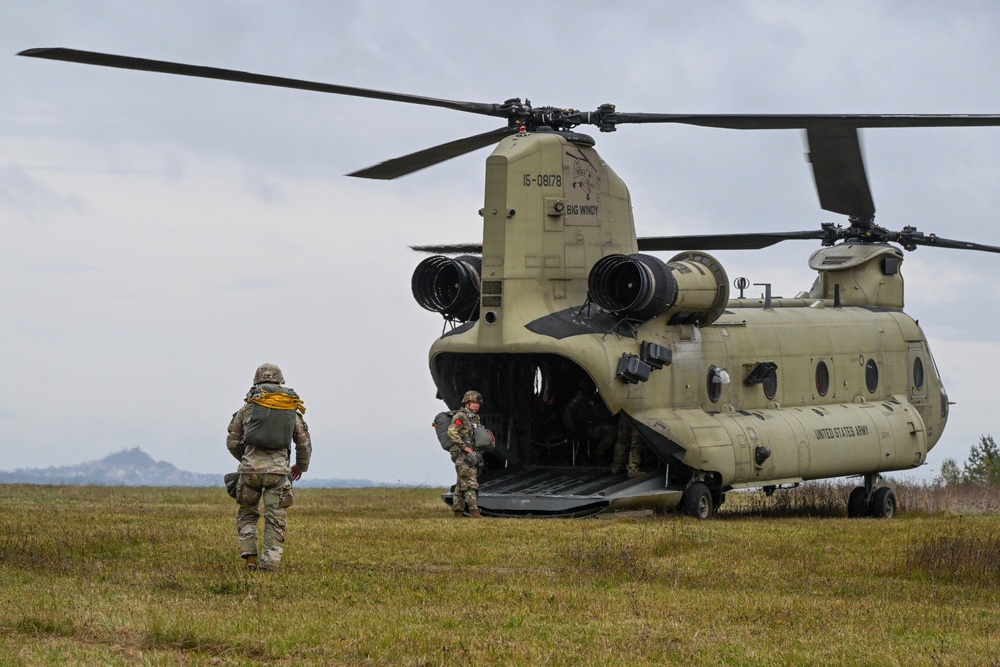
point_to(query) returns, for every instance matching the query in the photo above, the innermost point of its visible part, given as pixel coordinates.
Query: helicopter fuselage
(724, 392)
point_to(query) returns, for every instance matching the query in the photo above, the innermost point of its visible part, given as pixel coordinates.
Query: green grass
(123, 576)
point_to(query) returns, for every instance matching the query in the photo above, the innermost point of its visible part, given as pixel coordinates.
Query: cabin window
(918, 373)
(770, 384)
(871, 376)
(714, 383)
(822, 378)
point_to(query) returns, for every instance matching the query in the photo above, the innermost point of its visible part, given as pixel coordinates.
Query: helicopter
(562, 300)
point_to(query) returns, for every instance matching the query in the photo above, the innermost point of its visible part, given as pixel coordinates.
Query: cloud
(150, 220)
(29, 197)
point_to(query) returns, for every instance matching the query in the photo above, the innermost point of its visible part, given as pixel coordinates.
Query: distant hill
(134, 467)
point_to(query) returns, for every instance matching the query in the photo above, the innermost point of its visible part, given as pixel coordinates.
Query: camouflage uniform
(582, 422)
(466, 496)
(628, 445)
(265, 473)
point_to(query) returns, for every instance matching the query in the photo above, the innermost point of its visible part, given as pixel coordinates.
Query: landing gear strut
(868, 501)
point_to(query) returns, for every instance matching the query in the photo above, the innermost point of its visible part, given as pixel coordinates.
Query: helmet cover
(268, 373)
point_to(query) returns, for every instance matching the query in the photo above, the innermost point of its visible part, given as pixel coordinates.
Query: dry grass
(387, 576)
(829, 499)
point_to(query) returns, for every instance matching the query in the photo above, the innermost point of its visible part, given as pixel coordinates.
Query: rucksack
(441, 423)
(271, 427)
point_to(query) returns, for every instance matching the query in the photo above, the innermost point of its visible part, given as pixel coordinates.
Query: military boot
(251, 561)
(476, 514)
(459, 514)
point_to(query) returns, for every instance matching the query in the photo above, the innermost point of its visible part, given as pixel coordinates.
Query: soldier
(583, 422)
(628, 450)
(261, 434)
(465, 455)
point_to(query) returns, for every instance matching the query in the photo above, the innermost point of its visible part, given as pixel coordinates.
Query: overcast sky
(163, 236)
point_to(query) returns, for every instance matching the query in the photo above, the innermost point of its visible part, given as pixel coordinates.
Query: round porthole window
(716, 379)
(871, 376)
(822, 378)
(918, 373)
(770, 385)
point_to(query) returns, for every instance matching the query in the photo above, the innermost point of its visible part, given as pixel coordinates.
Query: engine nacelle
(692, 287)
(449, 286)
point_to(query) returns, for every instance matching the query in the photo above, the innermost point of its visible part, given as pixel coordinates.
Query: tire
(698, 502)
(884, 505)
(856, 503)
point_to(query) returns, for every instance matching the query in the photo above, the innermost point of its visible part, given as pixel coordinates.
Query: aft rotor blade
(147, 65)
(839, 172)
(455, 249)
(749, 241)
(407, 164)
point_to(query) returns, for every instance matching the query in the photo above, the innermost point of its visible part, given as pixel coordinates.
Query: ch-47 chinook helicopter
(725, 393)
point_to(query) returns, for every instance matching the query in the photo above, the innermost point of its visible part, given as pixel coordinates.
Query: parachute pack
(441, 423)
(482, 436)
(272, 416)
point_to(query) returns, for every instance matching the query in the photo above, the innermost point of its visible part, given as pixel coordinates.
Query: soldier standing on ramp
(261, 434)
(465, 456)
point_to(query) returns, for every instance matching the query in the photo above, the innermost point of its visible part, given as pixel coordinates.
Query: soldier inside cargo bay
(585, 421)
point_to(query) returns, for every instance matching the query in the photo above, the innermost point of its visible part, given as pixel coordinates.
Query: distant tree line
(981, 469)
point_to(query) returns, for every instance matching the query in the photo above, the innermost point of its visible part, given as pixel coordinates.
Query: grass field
(145, 576)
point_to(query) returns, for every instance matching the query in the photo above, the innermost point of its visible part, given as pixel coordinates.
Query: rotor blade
(749, 241)
(839, 172)
(806, 121)
(146, 65)
(938, 242)
(456, 249)
(408, 164)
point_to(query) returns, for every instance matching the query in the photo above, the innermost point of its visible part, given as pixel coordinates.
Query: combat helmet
(472, 396)
(268, 373)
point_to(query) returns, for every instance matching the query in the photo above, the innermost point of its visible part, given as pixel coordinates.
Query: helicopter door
(917, 362)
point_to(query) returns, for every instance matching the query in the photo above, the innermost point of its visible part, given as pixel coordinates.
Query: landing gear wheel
(697, 502)
(884, 504)
(856, 507)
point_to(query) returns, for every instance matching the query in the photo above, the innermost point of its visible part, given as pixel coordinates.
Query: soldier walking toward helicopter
(465, 455)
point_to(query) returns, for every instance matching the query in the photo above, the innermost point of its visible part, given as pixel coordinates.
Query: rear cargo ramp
(571, 492)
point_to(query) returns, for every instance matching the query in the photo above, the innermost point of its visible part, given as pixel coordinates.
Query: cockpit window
(918, 373)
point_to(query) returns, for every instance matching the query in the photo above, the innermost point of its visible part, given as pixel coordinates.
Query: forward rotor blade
(749, 241)
(839, 172)
(408, 164)
(938, 242)
(806, 121)
(146, 65)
